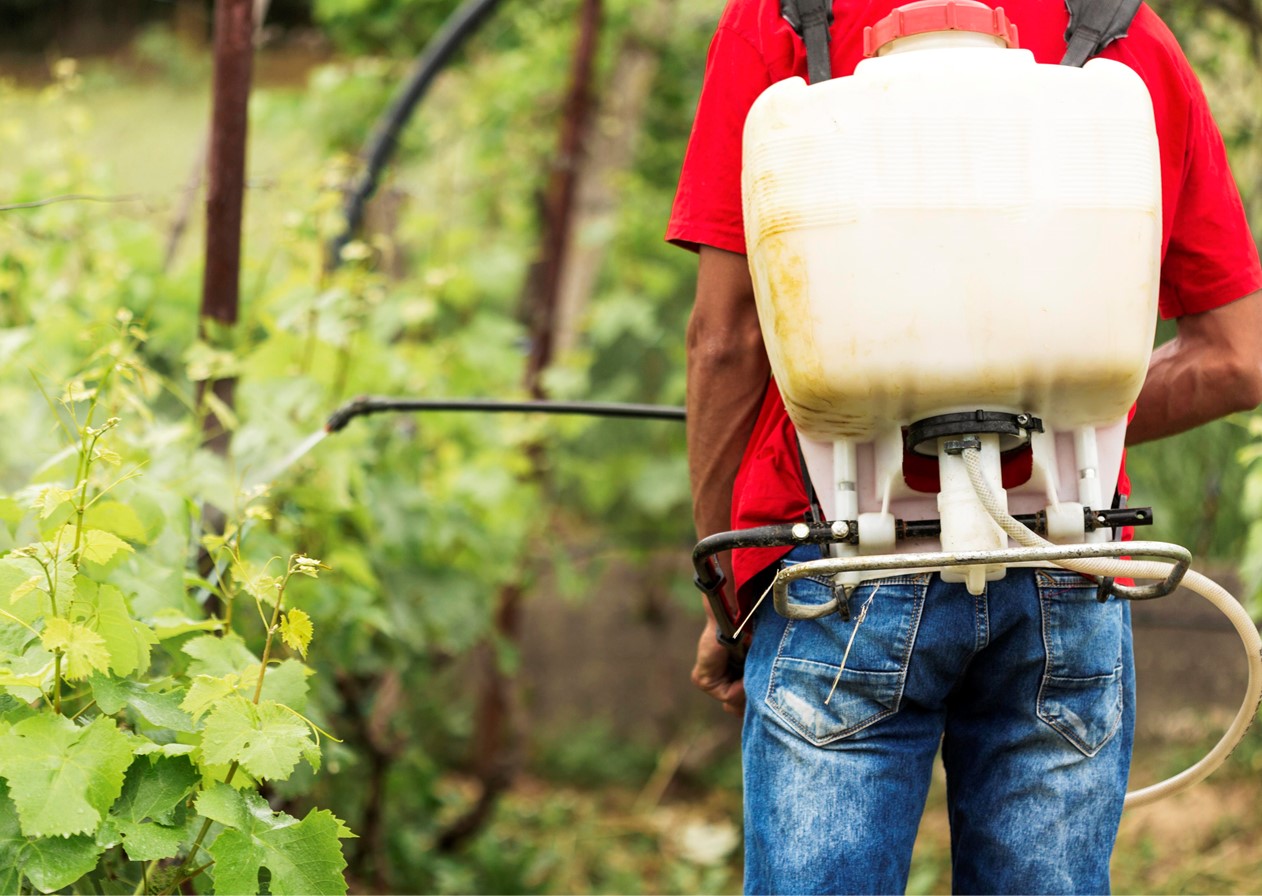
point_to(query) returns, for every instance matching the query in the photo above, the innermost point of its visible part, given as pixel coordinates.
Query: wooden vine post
(225, 193)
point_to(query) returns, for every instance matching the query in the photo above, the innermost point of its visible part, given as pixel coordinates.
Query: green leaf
(21, 581)
(149, 841)
(224, 804)
(49, 863)
(267, 739)
(12, 843)
(10, 513)
(263, 587)
(63, 777)
(301, 856)
(51, 498)
(296, 630)
(148, 817)
(171, 623)
(286, 682)
(127, 640)
(205, 692)
(83, 648)
(99, 546)
(152, 749)
(30, 585)
(218, 656)
(159, 708)
(119, 519)
(28, 672)
(154, 788)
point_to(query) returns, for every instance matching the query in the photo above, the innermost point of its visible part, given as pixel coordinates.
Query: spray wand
(367, 404)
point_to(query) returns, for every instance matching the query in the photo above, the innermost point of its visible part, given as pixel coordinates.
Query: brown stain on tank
(784, 294)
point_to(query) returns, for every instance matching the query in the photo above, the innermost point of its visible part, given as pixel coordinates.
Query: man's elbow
(724, 348)
(1244, 382)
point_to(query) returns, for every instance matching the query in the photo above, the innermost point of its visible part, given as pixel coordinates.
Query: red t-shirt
(1208, 255)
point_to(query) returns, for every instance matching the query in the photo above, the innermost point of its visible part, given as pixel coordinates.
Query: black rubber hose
(385, 137)
(363, 406)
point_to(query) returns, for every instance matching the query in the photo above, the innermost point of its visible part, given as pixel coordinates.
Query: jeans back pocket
(1081, 692)
(801, 691)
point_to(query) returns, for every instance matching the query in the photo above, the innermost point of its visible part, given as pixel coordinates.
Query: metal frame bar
(929, 560)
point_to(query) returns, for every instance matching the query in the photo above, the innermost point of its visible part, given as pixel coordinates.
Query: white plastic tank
(954, 227)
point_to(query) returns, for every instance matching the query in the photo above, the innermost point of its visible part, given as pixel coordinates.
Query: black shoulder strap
(810, 19)
(1093, 25)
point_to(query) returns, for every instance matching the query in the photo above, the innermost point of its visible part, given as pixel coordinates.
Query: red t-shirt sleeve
(707, 208)
(1211, 258)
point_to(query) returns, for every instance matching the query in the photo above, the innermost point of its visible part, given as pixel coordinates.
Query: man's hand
(714, 673)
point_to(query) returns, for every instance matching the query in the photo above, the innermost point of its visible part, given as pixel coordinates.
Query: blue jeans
(1028, 688)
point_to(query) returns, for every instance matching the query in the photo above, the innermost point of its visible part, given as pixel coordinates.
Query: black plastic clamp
(969, 423)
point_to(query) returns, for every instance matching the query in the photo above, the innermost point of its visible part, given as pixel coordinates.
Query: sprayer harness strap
(1093, 25)
(810, 19)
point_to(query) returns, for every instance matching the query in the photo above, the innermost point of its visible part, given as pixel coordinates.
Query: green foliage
(398, 26)
(105, 750)
(103, 600)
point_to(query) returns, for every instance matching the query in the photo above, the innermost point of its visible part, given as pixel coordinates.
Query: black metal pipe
(462, 23)
(366, 405)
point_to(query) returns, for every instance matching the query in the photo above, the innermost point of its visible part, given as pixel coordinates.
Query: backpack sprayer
(1006, 335)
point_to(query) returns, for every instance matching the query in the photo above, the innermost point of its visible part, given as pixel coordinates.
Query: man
(832, 802)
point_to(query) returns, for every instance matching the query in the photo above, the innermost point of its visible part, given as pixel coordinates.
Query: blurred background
(504, 641)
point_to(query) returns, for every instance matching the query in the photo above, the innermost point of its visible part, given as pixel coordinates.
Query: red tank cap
(939, 15)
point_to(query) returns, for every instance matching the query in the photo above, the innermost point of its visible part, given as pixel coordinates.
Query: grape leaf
(301, 856)
(160, 708)
(26, 674)
(267, 739)
(296, 630)
(285, 682)
(63, 777)
(154, 788)
(10, 512)
(171, 623)
(83, 648)
(49, 498)
(99, 546)
(153, 749)
(106, 612)
(148, 816)
(22, 581)
(205, 692)
(118, 518)
(218, 656)
(148, 841)
(50, 864)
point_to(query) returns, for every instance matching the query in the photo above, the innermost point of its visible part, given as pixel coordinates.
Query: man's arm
(727, 377)
(1212, 368)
